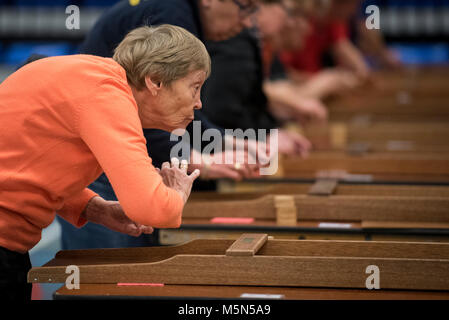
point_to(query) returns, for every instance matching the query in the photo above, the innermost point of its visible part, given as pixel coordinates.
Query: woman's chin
(178, 129)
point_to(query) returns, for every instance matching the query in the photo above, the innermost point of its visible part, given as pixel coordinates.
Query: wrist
(183, 195)
(93, 208)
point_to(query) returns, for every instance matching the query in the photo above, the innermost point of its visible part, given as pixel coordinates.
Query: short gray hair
(164, 53)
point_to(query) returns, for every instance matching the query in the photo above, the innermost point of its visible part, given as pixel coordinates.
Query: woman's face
(222, 20)
(173, 106)
(292, 28)
(271, 20)
(295, 34)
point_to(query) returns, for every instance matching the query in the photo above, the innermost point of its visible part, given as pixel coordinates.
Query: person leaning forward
(64, 120)
(206, 19)
(214, 20)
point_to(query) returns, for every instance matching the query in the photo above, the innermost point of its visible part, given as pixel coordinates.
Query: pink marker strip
(232, 220)
(141, 284)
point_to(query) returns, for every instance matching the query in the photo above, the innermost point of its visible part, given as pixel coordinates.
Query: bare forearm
(281, 93)
(350, 57)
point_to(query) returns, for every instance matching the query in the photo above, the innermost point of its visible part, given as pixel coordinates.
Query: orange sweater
(63, 120)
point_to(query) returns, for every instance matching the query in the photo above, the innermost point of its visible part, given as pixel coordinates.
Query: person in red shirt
(64, 120)
(329, 32)
(323, 36)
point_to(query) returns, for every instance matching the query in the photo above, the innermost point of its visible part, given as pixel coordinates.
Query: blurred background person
(235, 92)
(327, 44)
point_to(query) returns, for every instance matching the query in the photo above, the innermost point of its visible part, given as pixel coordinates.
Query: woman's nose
(198, 105)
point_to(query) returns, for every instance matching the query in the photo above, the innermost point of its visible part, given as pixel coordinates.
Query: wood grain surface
(253, 190)
(247, 245)
(340, 264)
(373, 163)
(334, 208)
(323, 187)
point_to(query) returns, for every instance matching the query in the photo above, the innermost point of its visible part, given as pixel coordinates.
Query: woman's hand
(214, 166)
(111, 215)
(310, 110)
(233, 164)
(291, 143)
(175, 176)
(331, 82)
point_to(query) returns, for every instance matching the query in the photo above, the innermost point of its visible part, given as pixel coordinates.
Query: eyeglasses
(246, 9)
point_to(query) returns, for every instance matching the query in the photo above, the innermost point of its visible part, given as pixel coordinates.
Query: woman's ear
(152, 86)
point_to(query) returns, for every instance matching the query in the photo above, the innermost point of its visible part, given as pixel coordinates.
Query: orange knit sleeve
(74, 206)
(110, 126)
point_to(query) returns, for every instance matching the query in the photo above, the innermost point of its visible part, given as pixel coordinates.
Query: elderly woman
(65, 120)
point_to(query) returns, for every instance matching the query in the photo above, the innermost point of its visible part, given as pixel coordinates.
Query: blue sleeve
(177, 13)
(114, 24)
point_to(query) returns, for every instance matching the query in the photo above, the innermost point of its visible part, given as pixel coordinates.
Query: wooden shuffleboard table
(255, 267)
(347, 211)
(406, 95)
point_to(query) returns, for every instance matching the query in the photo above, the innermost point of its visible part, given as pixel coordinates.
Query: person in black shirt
(234, 93)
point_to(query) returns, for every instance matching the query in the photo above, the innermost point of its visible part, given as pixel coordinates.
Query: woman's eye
(196, 89)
